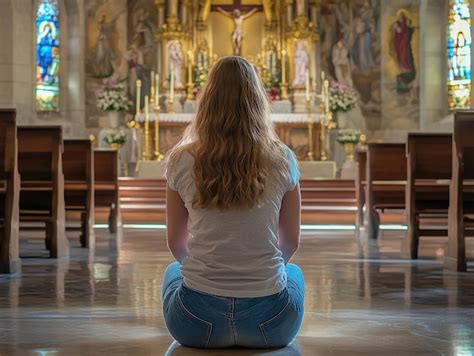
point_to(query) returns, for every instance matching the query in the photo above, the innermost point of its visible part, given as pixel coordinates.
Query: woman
(233, 219)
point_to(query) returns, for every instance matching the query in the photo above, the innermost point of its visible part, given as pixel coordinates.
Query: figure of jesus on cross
(234, 11)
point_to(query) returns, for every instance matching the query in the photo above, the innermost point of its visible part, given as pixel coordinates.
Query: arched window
(47, 56)
(459, 55)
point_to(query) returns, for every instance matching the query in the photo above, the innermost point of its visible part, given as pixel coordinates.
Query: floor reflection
(366, 302)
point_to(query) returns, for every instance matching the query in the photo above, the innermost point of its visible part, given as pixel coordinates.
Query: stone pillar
(433, 93)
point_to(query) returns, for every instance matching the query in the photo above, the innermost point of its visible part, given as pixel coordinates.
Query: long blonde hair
(232, 139)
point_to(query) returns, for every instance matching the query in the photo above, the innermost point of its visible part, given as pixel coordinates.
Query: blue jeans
(203, 320)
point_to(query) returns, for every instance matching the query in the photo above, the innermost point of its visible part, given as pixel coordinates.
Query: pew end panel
(106, 185)
(40, 151)
(78, 167)
(361, 163)
(461, 191)
(427, 190)
(9, 194)
(386, 180)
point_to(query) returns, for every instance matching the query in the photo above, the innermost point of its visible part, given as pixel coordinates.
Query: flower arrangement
(113, 97)
(115, 137)
(342, 98)
(345, 136)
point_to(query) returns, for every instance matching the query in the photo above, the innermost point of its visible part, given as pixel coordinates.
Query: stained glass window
(47, 56)
(459, 54)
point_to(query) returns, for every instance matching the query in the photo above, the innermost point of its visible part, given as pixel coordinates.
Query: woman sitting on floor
(233, 219)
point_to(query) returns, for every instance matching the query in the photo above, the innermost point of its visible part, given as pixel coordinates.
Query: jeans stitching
(209, 325)
(262, 325)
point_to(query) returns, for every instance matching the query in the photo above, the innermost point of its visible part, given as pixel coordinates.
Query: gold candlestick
(284, 84)
(146, 150)
(190, 85)
(310, 130)
(157, 155)
(171, 94)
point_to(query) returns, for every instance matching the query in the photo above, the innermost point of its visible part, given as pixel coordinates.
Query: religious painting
(106, 47)
(142, 51)
(400, 63)
(350, 51)
(237, 27)
(47, 56)
(459, 55)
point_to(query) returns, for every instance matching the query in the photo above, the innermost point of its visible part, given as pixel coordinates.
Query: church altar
(186, 118)
(291, 128)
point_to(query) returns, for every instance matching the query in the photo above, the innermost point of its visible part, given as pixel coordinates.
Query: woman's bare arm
(289, 224)
(176, 225)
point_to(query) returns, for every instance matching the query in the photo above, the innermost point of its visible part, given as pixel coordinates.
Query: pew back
(78, 161)
(386, 174)
(39, 164)
(429, 155)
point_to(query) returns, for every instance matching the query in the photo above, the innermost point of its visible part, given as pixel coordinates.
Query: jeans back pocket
(281, 329)
(187, 328)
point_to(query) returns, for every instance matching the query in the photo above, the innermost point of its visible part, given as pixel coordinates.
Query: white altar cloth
(187, 118)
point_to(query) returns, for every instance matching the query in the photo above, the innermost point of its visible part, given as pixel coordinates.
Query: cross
(237, 5)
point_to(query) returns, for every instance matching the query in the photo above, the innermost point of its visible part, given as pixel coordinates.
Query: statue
(342, 64)
(175, 62)
(104, 54)
(301, 64)
(237, 33)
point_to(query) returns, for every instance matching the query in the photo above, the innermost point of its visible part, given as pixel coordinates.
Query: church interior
(372, 96)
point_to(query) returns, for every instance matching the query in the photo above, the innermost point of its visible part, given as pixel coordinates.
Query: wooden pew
(427, 189)
(78, 167)
(42, 183)
(360, 182)
(461, 191)
(386, 179)
(106, 184)
(9, 193)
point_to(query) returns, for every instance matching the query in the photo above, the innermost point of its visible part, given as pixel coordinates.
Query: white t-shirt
(234, 253)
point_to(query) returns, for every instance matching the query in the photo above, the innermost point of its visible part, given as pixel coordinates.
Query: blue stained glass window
(47, 56)
(459, 55)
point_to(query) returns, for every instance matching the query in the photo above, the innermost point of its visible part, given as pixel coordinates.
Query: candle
(283, 67)
(190, 67)
(146, 109)
(172, 84)
(157, 89)
(152, 86)
(326, 95)
(139, 87)
(323, 75)
(307, 86)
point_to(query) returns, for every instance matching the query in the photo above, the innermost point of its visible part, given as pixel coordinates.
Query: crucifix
(235, 12)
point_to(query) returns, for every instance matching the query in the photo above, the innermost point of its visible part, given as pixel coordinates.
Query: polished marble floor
(107, 301)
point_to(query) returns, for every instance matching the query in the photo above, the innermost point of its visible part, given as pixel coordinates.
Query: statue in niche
(104, 53)
(301, 63)
(175, 62)
(238, 32)
(144, 30)
(136, 69)
(342, 64)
